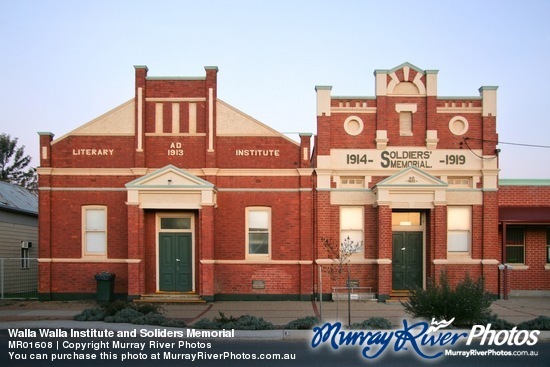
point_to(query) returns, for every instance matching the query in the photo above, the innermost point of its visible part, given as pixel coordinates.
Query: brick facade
(175, 153)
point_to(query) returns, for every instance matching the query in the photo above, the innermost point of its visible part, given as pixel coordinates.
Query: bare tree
(340, 254)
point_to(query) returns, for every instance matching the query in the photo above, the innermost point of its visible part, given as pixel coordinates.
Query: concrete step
(170, 298)
(399, 296)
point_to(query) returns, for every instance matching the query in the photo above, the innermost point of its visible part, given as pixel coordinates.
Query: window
(548, 245)
(515, 245)
(405, 123)
(406, 219)
(175, 223)
(94, 223)
(459, 229)
(460, 182)
(24, 258)
(353, 182)
(258, 228)
(351, 225)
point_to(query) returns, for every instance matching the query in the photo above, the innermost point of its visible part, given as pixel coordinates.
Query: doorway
(407, 260)
(175, 262)
(175, 252)
(408, 249)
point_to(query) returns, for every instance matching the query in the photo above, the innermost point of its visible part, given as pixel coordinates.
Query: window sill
(459, 255)
(547, 267)
(518, 266)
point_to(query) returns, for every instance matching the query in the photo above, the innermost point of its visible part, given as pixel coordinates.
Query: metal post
(349, 298)
(505, 282)
(3, 277)
(321, 292)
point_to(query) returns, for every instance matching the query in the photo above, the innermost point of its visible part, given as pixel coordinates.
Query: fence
(18, 278)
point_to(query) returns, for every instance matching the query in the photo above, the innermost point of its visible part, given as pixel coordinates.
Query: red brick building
(179, 193)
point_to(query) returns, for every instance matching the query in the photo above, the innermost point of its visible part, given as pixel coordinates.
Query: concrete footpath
(279, 313)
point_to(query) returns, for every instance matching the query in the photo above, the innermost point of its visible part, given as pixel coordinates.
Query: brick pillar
(211, 98)
(306, 234)
(136, 280)
(384, 253)
(440, 239)
(206, 253)
(44, 219)
(140, 95)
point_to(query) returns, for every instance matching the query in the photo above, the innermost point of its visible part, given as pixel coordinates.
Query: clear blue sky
(64, 63)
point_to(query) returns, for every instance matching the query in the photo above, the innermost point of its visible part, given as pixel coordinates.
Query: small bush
(245, 322)
(540, 323)
(91, 314)
(305, 323)
(222, 319)
(248, 322)
(374, 323)
(468, 303)
(112, 308)
(149, 319)
(207, 324)
(124, 316)
(147, 308)
(497, 323)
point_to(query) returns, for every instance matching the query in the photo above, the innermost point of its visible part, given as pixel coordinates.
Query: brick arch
(410, 77)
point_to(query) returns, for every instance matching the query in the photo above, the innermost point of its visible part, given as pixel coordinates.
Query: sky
(64, 63)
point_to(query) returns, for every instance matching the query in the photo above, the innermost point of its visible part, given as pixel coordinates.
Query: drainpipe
(504, 266)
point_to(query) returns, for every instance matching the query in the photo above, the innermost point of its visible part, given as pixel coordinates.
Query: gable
(120, 121)
(232, 122)
(412, 176)
(169, 177)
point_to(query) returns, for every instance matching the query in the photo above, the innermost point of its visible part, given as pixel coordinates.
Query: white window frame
(348, 226)
(405, 123)
(25, 258)
(457, 228)
(406, 109)
(247, 231)
(85, 231)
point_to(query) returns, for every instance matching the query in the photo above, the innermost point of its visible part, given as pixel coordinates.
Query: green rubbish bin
(105, 287)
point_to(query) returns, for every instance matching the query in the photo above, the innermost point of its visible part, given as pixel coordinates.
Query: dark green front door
(407, 260)
(175, 265)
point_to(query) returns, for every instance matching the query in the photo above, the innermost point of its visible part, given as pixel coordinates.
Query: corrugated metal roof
(524, 214)
(17, 198)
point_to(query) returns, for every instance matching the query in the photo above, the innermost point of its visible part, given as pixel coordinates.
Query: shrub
(124, 316)
(112, 312)
(303, 324)
(374, 323)
(147, 308)
(91, 314)
(245, 322)
(112, 308)
(207, 324)
(540, 323)
(468, 303)
(149, 319)
(222, 319)
(248, 322)
(497, 323)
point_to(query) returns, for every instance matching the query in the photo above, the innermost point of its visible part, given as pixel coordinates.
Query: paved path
(514, 310)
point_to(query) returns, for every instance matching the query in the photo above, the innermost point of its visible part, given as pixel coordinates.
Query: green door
(407, 260)
(175, 262)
